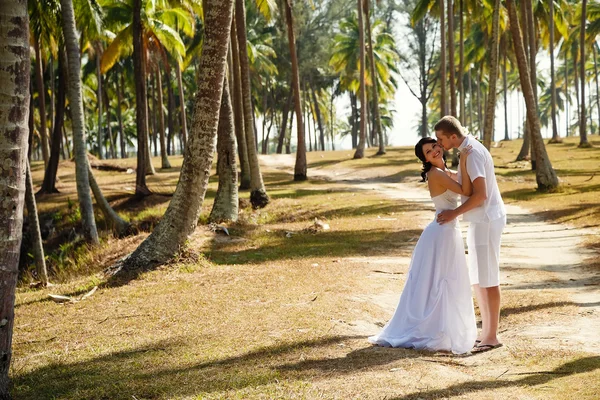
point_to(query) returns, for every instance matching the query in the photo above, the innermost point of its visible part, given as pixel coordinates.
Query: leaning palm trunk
(75, 99)
(238, 107)
(300, 167)
(360, 148)
(14, 133)
(545, 176)
(258, 194)
(117, 224)
(374, 80)
(34, 231)
(488, 128)
(225, 207)
(181, 217)
(533, 71)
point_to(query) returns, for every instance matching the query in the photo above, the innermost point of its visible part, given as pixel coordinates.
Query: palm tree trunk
(49, 183)
(39, 81)
(122, 145)
(505, 88)
(490, 114)
(375, 81)
(75, 100)
(283, 128)
(148, 157)
(595, 51)
(14, 132)
(181, 218)
(443, 97)
(182, 104)
(165, 164)
(360, 149)
(34, 230)
(225, 206)
(119, 226)
(532, 37)
(238, 109)
(526, 145)
(583, 141)
(141, 119)
(470, 100)
(170, 112)
(152, 94)
(305, 111)
(354, 118)
(555, 138)
(567, 116)
(451, 58)
(300, 166)
(319, 119)
(99, 102)
(258, 194)
(461, 66)
(545, 176)
(111, 139)
(51, 89)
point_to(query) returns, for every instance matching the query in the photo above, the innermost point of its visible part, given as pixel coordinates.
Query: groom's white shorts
(483, 242)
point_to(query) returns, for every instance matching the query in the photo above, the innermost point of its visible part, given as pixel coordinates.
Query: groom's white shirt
(481, 164)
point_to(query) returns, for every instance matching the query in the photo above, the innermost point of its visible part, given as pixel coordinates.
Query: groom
(486, 215)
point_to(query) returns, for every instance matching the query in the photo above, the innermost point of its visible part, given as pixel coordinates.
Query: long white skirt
(435, 311)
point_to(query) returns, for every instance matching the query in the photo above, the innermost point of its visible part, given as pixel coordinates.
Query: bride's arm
(441, 178)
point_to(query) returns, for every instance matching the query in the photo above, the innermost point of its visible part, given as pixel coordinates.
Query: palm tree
(443, 105)
(15, 99)
(545, 176)
(75, 100)
(258, 194)
(225, 206)
(583, 141)
(300, 167)
(49, 183)
(34, 229)
(555, 138)
(488, 129)
(374, 80)
(161, 122)
(360, 149)
(238, 109)
(181, 217)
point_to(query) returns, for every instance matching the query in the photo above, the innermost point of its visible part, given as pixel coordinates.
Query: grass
(281, 310)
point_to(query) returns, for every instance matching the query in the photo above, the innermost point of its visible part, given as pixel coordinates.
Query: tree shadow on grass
(159, 370)
(506, 311)
(308, 245)
(579, 366)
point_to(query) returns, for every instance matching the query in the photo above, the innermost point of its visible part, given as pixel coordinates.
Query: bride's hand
(466, 151)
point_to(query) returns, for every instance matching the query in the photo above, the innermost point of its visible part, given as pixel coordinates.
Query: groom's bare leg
(480, 296)
(492, 298)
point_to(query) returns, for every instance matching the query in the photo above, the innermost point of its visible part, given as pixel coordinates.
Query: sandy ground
(535, 256)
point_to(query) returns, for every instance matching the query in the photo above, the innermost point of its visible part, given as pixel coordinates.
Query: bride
(435, 311)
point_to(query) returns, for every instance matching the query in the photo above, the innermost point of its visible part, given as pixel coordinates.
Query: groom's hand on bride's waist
(446, 216)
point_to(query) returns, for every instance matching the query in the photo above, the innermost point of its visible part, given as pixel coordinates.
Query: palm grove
(117, 79)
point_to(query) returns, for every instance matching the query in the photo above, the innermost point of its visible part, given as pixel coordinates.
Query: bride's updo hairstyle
(421, 156)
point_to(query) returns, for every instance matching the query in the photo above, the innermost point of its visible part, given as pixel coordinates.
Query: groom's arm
(477, 198)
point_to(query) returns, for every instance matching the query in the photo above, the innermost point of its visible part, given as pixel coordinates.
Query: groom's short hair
(449, 125)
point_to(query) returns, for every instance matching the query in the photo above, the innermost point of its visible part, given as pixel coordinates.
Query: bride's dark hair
(421, 156)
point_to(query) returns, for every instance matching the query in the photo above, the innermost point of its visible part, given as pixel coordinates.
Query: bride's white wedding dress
(435, 311)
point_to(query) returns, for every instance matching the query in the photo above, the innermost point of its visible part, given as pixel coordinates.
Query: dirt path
(537, 259)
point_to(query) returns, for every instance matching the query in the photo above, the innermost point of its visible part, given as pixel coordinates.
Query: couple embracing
(435, 311)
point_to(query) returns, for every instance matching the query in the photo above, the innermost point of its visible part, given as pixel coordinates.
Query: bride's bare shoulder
(435, 173)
